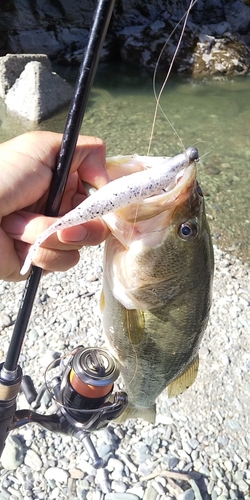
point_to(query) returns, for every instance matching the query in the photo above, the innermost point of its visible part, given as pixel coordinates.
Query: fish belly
(155, 347)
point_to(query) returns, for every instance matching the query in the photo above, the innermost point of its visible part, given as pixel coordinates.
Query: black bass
(158, 269)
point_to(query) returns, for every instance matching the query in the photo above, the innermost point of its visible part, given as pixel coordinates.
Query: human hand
(26, 165)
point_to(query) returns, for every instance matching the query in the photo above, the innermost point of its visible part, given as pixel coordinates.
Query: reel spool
(88, 381)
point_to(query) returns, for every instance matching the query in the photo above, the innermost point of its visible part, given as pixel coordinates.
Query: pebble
(121, 496)
(33, 460)
(59, 475)
(86, 467)
(150, 493)
(186, 495)
(5, 320)
(184, 438)
(76, 473)
(12, 455)
(228, 465)
(118, 486)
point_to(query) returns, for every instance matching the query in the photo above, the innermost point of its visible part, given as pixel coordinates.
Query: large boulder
(138, 30)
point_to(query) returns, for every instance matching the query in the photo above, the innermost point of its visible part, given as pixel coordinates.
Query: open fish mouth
(176, 193)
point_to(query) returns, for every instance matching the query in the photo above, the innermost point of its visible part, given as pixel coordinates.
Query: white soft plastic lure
(120, 193)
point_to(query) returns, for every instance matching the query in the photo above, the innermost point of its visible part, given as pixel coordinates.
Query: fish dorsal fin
(185, 380)
(147, 414)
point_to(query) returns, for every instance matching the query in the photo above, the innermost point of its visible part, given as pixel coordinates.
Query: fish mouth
(176, 194)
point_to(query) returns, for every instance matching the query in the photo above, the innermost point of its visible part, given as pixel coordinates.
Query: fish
(119, 193)
(157, 288)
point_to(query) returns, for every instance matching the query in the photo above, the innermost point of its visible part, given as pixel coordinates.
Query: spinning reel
(83, 393)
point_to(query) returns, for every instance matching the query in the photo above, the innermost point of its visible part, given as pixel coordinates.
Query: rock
(121, 496)
(33, 460)
(38, 93)
(136, 35)
(187, 495)
(12, 455)
(59, 475)
(5, 320)
(76, 473)
(215, 56)
(150, 493)
(12, 65)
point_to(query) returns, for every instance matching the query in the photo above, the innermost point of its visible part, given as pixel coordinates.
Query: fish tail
(147, 414)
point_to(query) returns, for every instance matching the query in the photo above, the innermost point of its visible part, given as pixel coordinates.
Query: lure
(118, 194)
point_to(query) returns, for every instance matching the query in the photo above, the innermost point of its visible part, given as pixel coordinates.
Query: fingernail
(76, 234)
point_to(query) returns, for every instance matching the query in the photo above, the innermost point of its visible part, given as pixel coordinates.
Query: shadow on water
(212, 114)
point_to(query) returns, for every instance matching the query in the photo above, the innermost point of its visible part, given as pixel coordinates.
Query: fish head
(164, 237)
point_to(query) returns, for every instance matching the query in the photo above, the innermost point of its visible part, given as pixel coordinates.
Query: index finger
(27, 162)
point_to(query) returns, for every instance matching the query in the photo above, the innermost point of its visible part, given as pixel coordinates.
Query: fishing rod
(79, 411)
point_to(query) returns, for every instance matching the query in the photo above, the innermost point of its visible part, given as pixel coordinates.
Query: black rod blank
(77, 109)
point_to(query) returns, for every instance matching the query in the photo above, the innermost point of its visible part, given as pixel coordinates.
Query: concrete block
(38, 93)
(12, 65)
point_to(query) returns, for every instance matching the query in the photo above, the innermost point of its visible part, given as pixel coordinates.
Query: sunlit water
(213, 114)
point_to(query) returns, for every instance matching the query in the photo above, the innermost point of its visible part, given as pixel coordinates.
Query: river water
(213, 114)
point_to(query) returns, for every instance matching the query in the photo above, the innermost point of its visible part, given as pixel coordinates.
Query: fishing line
(158, 106)
(158, 97)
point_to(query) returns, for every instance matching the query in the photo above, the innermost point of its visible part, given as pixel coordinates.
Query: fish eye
(199, 190)
(188, 230)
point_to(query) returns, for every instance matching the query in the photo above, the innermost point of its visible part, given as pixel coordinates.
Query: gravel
(199, 446)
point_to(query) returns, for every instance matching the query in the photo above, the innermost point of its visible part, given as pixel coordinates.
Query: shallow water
(213, 114)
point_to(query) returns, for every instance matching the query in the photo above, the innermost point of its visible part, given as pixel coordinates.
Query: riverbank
(203, 434)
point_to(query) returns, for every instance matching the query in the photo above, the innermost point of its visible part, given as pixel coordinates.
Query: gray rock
(121, 496)
(5, 320)
(12, 455)
(186, 495)
(38, 93)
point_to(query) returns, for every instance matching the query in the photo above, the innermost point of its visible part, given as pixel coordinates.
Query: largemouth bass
(158, 269)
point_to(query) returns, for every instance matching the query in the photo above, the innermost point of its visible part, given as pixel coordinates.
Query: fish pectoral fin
(135, 325)
(185, 380)
(102, 301)
(147, 414)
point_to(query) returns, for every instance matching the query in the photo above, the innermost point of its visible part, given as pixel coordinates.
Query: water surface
(212, 114)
